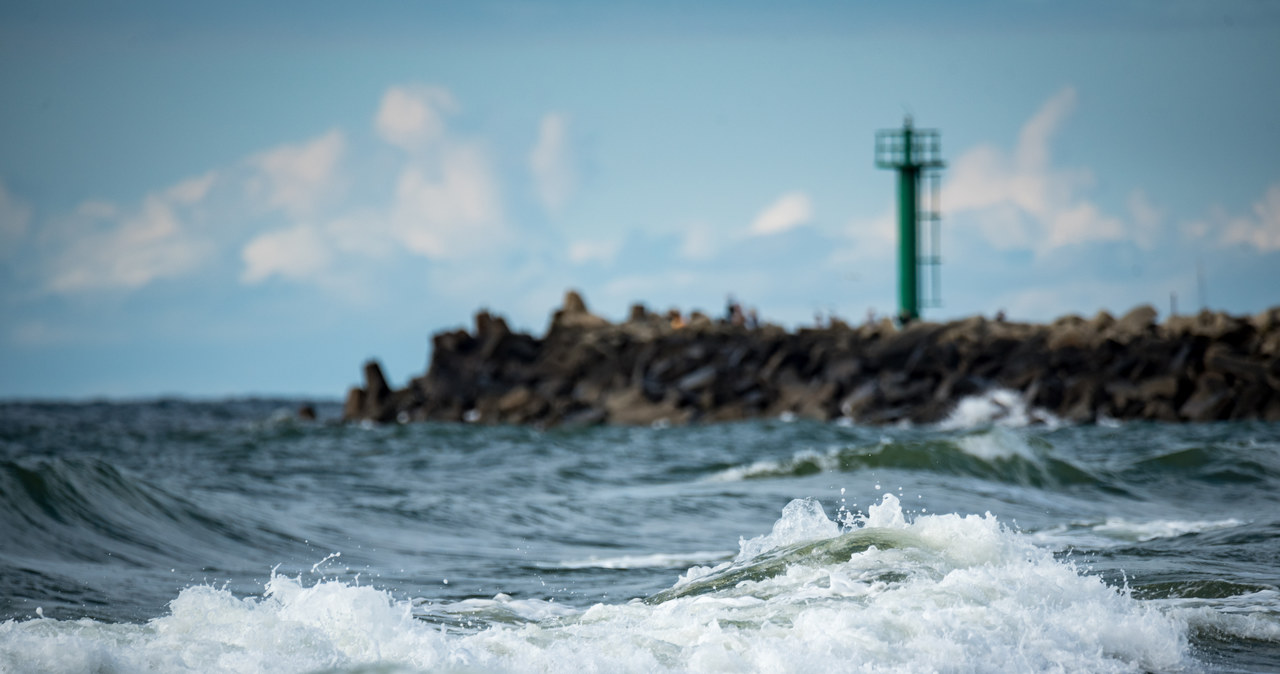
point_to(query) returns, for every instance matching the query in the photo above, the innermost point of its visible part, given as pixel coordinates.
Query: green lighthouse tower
(916, 155)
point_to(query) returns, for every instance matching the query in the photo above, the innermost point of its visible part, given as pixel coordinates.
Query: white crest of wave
(996, 444)
(802, 520)
(941, 593)
(654, 561)
(1149, 531)
(766, 467)
(1120, 531)
(1255, 615)
(292, 629)
(997, 407)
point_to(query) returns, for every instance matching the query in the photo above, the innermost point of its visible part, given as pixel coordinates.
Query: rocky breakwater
(587, 370)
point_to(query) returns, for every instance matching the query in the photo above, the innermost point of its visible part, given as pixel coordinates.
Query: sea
(234, 536)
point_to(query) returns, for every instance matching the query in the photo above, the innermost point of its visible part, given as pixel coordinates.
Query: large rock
(573, 314)
(1139, 322)
(651, 369)
(1210, 401)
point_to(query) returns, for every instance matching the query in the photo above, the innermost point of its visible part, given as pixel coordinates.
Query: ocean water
(231, 537)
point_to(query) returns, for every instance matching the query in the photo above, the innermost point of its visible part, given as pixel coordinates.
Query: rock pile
(587, 370)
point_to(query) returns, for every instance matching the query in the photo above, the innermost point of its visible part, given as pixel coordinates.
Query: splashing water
(937, 593)
(148, 534)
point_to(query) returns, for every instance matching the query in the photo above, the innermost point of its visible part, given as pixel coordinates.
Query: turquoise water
(228, 536)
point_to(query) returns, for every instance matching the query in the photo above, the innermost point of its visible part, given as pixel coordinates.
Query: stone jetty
(587, 370)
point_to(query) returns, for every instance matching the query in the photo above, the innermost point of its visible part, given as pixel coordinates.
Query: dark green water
(227, 536)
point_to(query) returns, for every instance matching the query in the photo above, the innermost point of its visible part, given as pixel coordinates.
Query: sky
(245, 198)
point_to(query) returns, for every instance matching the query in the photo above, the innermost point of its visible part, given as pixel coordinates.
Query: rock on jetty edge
(587, 370)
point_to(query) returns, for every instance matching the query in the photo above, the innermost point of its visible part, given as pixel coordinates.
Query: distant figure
(1000, 316)
(676, 320)
(733, 313)
(753, 319)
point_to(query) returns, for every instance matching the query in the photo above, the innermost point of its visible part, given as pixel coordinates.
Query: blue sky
(231, 199)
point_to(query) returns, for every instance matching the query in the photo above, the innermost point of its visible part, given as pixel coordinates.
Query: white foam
(802, 520)
(1255, 615)
(828, 461)
(1120, 528)
(1120, 531)
(997, 443)
(956, 593)
(502, 608)
(655, 561)
(771, 467)
(293, 629)
(1000, 442)
(997, 407)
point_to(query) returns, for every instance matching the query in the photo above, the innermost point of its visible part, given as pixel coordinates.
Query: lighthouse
(916, 154)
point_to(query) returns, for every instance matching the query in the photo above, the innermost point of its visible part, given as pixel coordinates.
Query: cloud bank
(106, 249)
(1021, 200)
(437, 216)
(790, 211)
(549, 162)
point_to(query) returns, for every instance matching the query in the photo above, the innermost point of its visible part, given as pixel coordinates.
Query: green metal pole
(908, 179)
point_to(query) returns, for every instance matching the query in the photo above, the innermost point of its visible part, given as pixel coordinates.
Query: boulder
(353, 408)
(1139, 322)
(1072, 335)
(650, 369)
(573, 315)
(1210, 400)
(630, 407)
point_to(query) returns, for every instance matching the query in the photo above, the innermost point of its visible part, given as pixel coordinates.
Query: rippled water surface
(227, 536)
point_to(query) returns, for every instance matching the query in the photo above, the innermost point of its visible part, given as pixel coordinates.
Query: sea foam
(998, 407)
(933, 593)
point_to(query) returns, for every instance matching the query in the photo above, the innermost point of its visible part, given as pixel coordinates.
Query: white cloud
(1261, 231)
(1038, 132)
(581, 252)
(134, 248)
(366, 234)
(549, 162)
(297, 178)
(1146, 218)
(337, 255)
(451, 211)
(446, 203)
(1020, 200)
(699, 243)
(15, 218)
(298, 253)
(870, 238)
(790, 211)
(413, 117)
(192, 190)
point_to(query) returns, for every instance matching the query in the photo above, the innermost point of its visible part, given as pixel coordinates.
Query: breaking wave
(863, 592)
(997, 454)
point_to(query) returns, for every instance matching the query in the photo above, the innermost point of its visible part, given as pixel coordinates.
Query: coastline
(586, 370)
